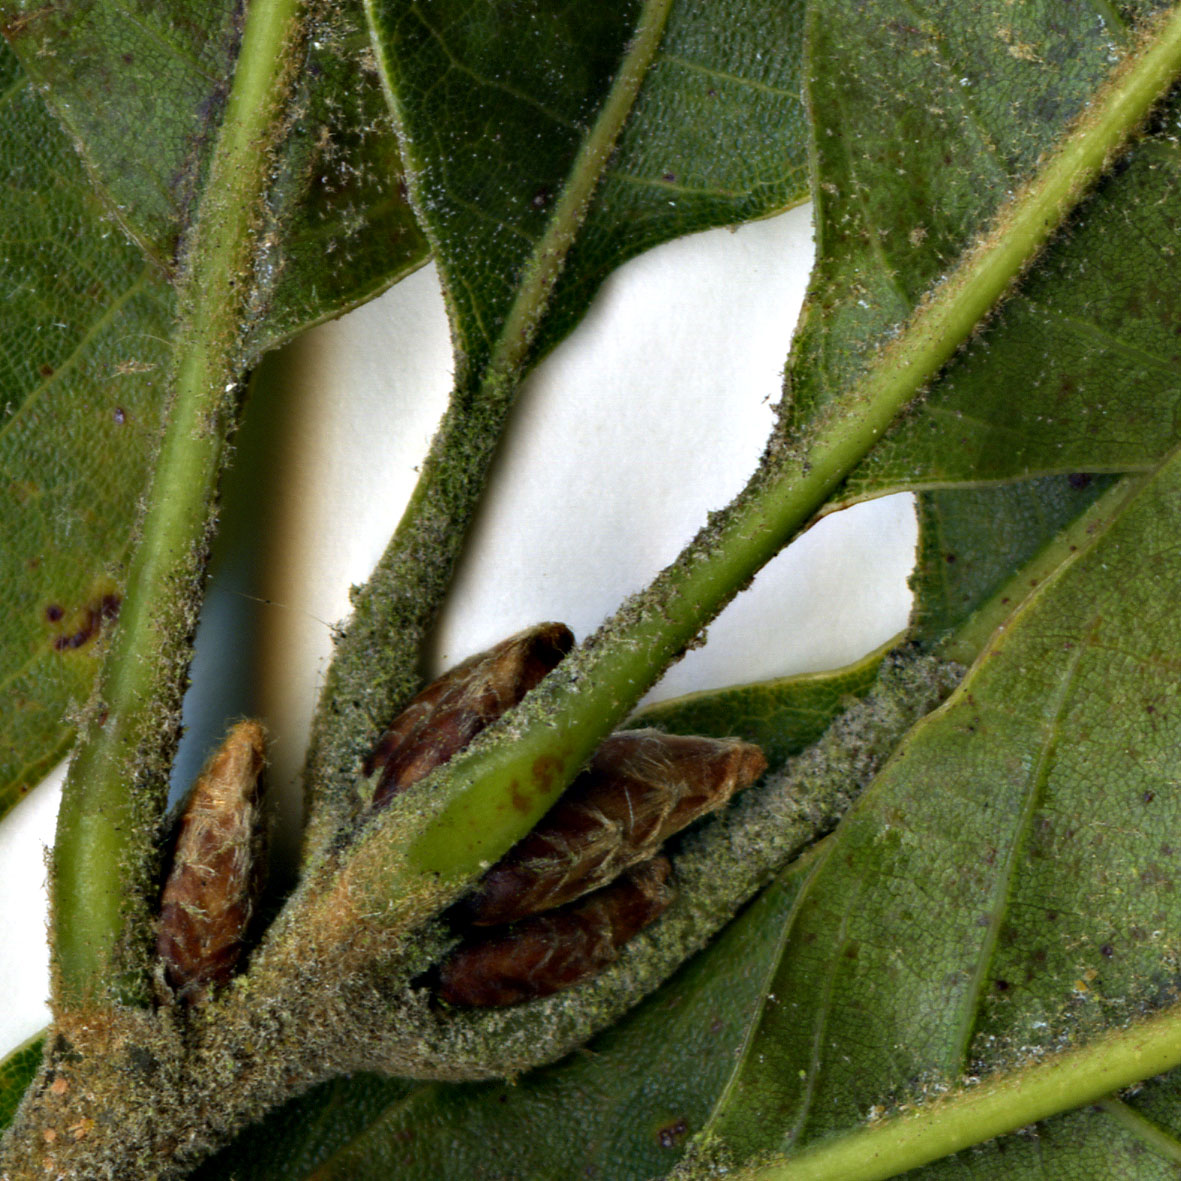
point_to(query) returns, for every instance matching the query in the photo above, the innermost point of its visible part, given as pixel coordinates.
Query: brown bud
(549, 952)
(641, 787)
(213, 883)
(451, 711)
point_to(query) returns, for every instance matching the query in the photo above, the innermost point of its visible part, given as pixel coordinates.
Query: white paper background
(652, 414)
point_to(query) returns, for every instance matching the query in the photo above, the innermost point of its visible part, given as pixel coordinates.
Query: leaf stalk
(104, 862)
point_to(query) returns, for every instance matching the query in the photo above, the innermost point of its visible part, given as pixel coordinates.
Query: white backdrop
(654, 412)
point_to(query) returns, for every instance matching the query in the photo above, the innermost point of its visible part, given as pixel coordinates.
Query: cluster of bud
(552, 913)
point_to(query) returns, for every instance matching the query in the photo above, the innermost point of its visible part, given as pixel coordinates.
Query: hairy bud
(640, 788)
(451, 711)
(216, 872)
(569, 894)
(549, 952)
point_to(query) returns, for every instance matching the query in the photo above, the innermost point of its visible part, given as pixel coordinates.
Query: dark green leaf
(498, 102)
(1006, 885)
(141, 89)
(82, 351)
(946, 112)
(972, 540)
(782, 716)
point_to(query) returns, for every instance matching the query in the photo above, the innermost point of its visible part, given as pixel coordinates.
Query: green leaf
(17, 1069)
(82, 348)
(917, 144)
(1003, 888)
(587, 131)
(783, 716)
(623, 1108)
(971, 540)
(142, 88)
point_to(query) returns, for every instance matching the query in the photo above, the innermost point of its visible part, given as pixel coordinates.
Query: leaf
(623, 1108)
(142, 89)
(82, 350)
(511, 116)
(972, 539)
(917, 145)
(1003, 888)
(783, 716)
(16, 1072)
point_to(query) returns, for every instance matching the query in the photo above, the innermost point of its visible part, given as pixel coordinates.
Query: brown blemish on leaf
(547, 771)
(521, 801)
(672, 1134)
(86, 624)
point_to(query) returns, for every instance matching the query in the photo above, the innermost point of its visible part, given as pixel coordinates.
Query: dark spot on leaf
(1002, 986)
(1107, 951)
(87, 624)
(519, 799)
(1148, 797)
(45, 370)
(127, 58)
(541, 198)
(949, 558)
(672, 1134)
(1079, 480)
(120, 415)
(669, 177)
(54, 612)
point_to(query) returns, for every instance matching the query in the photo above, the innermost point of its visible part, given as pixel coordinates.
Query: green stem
(500, 788)
(991, 1108)
(399, 603)
(104, 859)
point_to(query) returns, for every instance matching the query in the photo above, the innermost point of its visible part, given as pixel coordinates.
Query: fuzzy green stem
(501, 788)
(104, 860)
(992, 1108)
(399, 603)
